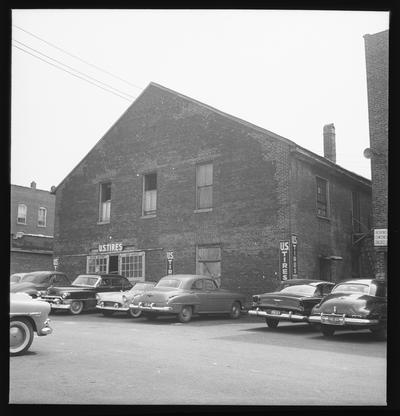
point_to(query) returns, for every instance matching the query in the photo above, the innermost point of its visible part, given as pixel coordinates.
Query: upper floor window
(21, 216)
(322, 197)
(105, 202)
(150, 194)
(42, 216)
(204, 186)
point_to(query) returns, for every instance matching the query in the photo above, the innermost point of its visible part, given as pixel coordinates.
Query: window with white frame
(322, 197)
(42, 216)
(105, 202)
(150, 194)
(204, 186)
(21, 214)
(209, 261)
(131, 265)
(97, 264)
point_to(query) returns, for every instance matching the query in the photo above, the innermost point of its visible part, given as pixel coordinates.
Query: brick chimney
(33, 185)
(330, 142)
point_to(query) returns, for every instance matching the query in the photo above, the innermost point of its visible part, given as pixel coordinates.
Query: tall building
(176, 186)
(31, 229)
(377, 65)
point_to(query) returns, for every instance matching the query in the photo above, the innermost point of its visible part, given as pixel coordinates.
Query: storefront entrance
(113, 264)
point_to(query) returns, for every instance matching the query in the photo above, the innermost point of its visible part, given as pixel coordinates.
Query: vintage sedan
(17, 277)
(27, 316)
(185, 295)
(35, 282)
(81, 294)
(353, 304)
(293, 301)
(110, 302)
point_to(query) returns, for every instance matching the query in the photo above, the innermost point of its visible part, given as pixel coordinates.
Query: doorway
(113, 264)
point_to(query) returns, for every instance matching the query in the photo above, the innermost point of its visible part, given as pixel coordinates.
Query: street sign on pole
(170, 263)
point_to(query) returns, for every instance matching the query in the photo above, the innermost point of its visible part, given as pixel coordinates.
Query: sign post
(170, 263)
(56, 262)
(294, 256)
(284, 258)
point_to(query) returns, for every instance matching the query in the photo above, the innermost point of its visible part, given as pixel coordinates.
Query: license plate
(275, 312)
(333, 320)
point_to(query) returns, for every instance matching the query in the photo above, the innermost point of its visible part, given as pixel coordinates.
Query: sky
(75, 72)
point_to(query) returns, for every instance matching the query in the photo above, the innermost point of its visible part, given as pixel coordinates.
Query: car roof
(187, 277)
(312, 282)
(44, 272)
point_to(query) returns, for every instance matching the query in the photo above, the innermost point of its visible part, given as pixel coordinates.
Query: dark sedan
(35, 282)
(293, 301)
(186, 295)
(354, 304)
(81, 295)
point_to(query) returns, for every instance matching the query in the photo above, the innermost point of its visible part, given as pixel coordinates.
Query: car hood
(70, 289)
(344, 303)
(112, 296)
(22, 287)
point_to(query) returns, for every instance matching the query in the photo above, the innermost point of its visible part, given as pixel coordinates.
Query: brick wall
(21, 262)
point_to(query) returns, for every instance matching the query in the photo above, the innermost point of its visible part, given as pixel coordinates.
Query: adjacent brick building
(31, 229)
(377, 64)
(176, 179)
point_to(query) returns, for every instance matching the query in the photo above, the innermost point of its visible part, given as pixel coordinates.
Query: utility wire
(70, 67)
(77, 76)
(77, 57)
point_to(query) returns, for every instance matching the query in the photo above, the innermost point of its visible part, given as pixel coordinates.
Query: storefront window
(97, 264)
(132, 265)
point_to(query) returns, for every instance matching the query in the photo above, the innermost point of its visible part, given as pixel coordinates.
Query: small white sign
(380, 237)
(170, 255)
(56, 261)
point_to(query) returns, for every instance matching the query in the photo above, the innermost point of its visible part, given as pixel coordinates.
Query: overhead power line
(70, 67)
(75, 75)
(77, 57)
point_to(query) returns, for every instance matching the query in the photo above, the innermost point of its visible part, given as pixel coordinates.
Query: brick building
(377, 64)
(175, 178)
(31, 229)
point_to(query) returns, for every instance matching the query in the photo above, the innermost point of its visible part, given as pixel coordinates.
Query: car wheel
(135, 313)
(107, 313)
(76, 307)
(379, 333)
(327, 331)
(21, 336)
(235, 310)
(271, 322)
(185, 315)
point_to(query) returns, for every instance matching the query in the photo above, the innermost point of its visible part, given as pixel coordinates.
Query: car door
(215, 298)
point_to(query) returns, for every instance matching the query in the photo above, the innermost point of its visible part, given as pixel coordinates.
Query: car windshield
(141, 286)
(299, 290)
(351, 288)
(90, 281)
(36, 278)
(168, 283)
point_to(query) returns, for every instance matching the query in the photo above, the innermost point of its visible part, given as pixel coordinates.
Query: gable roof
(301, 151)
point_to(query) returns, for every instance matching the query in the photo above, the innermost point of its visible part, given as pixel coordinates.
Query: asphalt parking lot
(92, 359)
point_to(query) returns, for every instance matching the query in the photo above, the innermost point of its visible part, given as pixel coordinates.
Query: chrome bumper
(111, 308)
(324, 319)
(56, 302)
(46, 330)
(151, 308)
(288, 316)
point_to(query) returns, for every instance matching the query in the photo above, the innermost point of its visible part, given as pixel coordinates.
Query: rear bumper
(112, 308)
(340, 320)
(287, 316)
(152, 308)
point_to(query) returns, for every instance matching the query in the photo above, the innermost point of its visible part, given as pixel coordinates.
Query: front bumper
(113, 308)
(342, 320)
(46, 329)
(57, 302)
(287, 316)
(152, 308)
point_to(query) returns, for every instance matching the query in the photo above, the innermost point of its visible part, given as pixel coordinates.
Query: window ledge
(323, 218)
(21, 223)
(148, 216)
(103, 222)
(202, 210)
(41, 226)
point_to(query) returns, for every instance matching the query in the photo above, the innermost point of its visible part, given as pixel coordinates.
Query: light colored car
(110, 302)
(187, 295)
(27, 316)
(17, 277)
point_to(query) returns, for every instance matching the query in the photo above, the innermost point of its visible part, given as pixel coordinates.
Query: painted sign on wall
(110, 247)
(284, 258)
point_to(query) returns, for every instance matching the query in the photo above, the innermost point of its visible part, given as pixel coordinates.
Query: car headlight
(65, 295)
(124, 299)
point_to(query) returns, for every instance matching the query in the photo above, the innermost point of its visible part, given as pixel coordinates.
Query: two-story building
(31, 229)
(180, 186)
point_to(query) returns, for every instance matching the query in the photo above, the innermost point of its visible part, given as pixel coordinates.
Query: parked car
(35, 282)
(185, 295)
(110, 302)
(17, 277)
(353, 304)
(81, 294)
(27, 316)
(292, 301)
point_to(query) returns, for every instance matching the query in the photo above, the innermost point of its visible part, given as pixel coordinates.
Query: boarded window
(204, 186)
(322, 197)
(209, 261)
(150, 194)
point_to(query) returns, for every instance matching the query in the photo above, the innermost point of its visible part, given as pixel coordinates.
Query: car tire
(21, 336)
(134, 313)
(76, 307)
(185, 314)
(107, 312)
(327, 330)
(235, 310)
(272, 322)
(379, 333)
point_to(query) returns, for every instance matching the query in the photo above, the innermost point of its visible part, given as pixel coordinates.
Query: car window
(326, 289)
(198, 284)
(209, 285)
(105, 282)
(351, 288)
(306, 290)
(168, 283)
